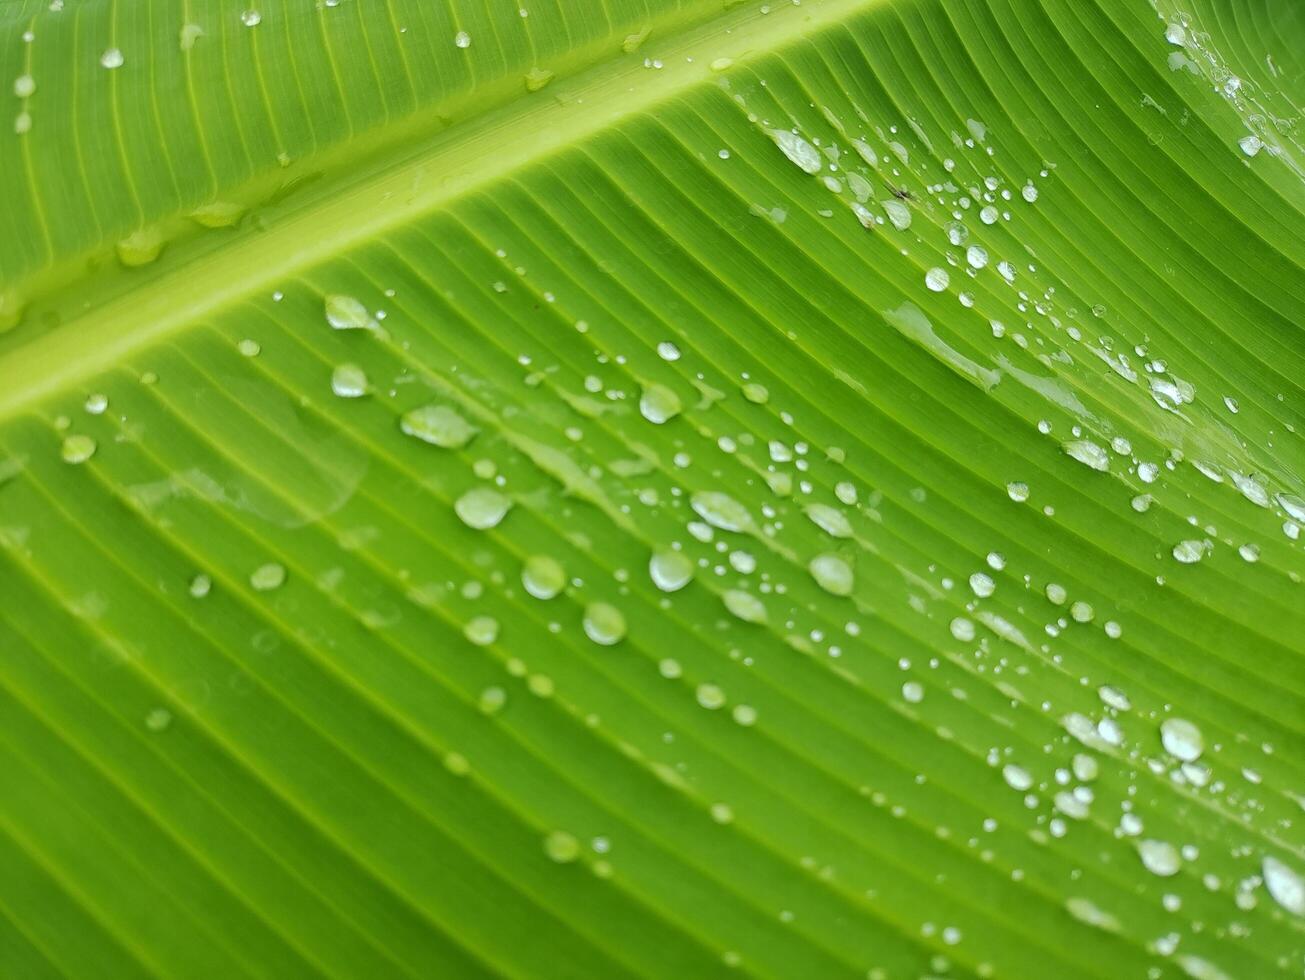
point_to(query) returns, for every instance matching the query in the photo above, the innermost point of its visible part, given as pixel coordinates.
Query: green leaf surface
(652, 488)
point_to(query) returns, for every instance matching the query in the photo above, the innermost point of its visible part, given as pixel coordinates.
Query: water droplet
(831, 520)
(982, 585)
(1088, 453)
(561, 847)
(721, 510)
(798, 150)
(668, 351)
(456, 763)
(962, 629)
(1087, 912)
(913, 692)
(491, 700)
(543, 576)
(158, 719)
(267, 577)
(1182, 739)
(670, 570)
(832, 573)
(720, 64)
(1029, 192)
(755, 393)
(438, 425)
(482, 508)
(24, 86)
(604, 624)
(249, 348)
(348, 380)
(898, 213)
(200, 586)
(1251, 145)
(976, 256)
(659, 404)
(744, 605)
(112, 58)
(1017, 777)
(140, 247)
(537, 78)
(710, 696)
(745, 715)
(77, 449)
(481, 630)
(1018, 492)
(1285, 885)
(937, 279)
(348, 313)
(190, 33)
(1159, 857)
(251, 18)
(1190, 551)
(462, 39)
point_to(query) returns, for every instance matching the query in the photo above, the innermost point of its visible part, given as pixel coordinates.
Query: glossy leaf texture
(652, 488)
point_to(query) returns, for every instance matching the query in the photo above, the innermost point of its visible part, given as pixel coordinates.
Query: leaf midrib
(417, 177)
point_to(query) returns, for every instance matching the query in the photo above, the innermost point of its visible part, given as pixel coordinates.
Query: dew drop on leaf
(482, 508)
(77, 449)
(267, 577)
(659, 404)
(1182, 739)
(744, 605)
(832, 573)
(721, 510)
(604, 624)
(481, 630)
(561, 847)
(438, 425)
(543, 576)
(347, 313)
(348, 380)
(670, 570)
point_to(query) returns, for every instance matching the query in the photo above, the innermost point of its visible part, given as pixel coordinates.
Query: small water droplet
(481, 630)
(670, 570)
(348, 380)
(24, 86)
(348, 313)
(937, 279)
(604, 624)
(112, 58)
(1285, 885)
(438, 425)
(833, 574)
(482, 508)
(1159, 857)
(543, 576)
(1182, 739)
(251, 18)
(659, 404)
(744, 605)
(77, 449)
(462, 39)
(267, 577)
(249, 348)
(1088, 453)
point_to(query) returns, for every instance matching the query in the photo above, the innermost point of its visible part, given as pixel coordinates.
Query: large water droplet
(349, 381)
(744, 605)
(543, 576)
(267, 577)
(1182, 739)
(831, 520)
(798, 150)
(659, 404)
(348, 313)
(438, 425)
(1088, 453)
(721, 510)
(670, 570)
(1159, 857)
(832, 573)
(604, 624)
(482, 508)
(1285, 885)
(77, 449)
